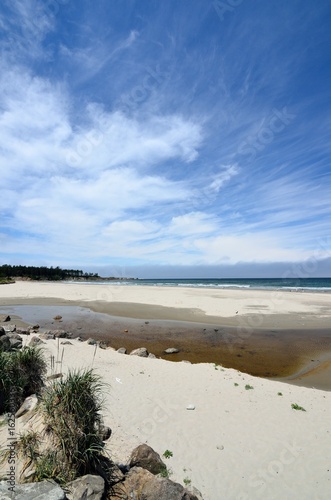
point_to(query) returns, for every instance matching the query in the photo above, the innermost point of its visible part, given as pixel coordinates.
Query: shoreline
(278, 337)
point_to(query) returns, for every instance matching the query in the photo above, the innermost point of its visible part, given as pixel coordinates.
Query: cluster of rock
(11, 336)
(139, 479)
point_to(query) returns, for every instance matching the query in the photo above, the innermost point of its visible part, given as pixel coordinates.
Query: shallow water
(266, 353)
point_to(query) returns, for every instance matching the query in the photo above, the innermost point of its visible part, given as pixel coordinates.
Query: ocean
(295, 284)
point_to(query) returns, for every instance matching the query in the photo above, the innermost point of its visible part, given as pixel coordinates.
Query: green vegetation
(236, 385)
(74, 446)
(187, 481)
(167, 454)
(71, 409)
(279, 393)
(165, 472)
(6, 281)
(42, 273)
(248, 387)
(297, 407)
(22, 373)
(71, 444)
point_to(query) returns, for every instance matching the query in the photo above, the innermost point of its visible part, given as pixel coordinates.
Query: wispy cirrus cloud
(152, 133)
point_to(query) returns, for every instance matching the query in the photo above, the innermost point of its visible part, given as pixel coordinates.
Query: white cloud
(193, 223)
(113, 139)
(226, 173)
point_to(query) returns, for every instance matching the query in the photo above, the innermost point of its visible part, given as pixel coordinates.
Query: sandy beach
(243, 440)
(265, 333)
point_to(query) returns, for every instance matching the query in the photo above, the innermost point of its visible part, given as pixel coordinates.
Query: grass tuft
(22, 373)
(71, 409)
(297, 407)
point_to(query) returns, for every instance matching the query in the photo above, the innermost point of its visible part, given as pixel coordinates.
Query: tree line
(43, 273)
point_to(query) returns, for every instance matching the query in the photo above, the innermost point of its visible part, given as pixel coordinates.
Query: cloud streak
(161, 136)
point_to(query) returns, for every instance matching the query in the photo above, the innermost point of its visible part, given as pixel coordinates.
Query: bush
(22, 373)
(71, 410)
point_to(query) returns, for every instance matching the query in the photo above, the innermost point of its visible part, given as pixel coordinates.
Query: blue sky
(180, 137)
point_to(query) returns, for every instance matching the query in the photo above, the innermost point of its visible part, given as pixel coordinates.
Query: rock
(152, 356)
(5, 318)
(47, 336)
(16, 341)
(29, 404)
(44, 490)
(66, 342)
(91, 341)
(103, 345)
(87, 487)
(57, 317)
(116, 474)
(105, 432)
(171, 350)
(79, 339)
(35, 327)
(10, 328)
(61, 334)
(35, 341)
(190, 407)
(144, 456)
(194, 491)
(2, 331)
(121, 350)
(4, 343)
(141, 351)
(22, 331)
(140, 483)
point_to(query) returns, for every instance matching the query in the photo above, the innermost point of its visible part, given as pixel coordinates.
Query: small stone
(121, 350)
(35, 341)
(103, 345)
(10, 328)
(221, 447)
(105, 432)
(47, 336)
(171, 350)
(61, 334)
(151, 355)
(22, 331)
(29, 404)
(126, 331)
(142, 352)
(91, 341)
(57, 317)
(190, 407)
(66, 342)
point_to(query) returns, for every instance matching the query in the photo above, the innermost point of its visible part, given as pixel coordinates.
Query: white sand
(223, 303)
(237, 443)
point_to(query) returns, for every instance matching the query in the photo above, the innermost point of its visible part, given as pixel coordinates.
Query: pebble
(190, 407)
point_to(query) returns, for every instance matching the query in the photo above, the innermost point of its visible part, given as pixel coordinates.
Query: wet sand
(298, 355)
